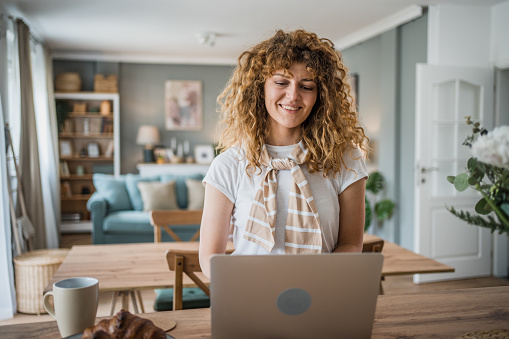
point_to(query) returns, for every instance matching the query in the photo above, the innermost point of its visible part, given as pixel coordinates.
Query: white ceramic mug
(76, 301)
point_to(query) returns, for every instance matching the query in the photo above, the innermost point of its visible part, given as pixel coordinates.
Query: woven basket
(33, 272)
(68, 82)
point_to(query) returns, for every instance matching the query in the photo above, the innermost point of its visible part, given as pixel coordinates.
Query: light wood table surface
(121, 267)
(448, 314)
(400, 261)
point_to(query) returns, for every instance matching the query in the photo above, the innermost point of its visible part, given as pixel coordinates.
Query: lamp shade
(148, 135)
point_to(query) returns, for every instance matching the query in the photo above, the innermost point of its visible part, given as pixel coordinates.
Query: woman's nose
(292, 92)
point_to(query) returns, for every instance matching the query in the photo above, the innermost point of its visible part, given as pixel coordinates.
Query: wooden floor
(391, 285)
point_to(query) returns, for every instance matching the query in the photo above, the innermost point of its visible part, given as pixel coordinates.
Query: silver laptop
(294, 296)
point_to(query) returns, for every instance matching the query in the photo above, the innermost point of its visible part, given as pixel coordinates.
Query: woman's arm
(351, 217)
(215, 226)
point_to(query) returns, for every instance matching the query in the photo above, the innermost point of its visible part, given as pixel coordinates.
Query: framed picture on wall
(183, 105)
(204, 154)
(93, 149)
(65, 148)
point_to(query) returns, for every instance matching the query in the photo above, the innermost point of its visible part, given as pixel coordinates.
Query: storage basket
(33, 271)
(105, 83)
(68, 82)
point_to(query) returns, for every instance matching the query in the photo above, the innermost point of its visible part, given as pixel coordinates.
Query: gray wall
(141, 99)
(386, 68)
(375, 63)
(413, 38)
(142, 102)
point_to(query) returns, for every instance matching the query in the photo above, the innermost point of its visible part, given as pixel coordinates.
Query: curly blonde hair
(331, 128)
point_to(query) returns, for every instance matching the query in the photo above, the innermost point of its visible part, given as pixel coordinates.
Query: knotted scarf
(302, 230)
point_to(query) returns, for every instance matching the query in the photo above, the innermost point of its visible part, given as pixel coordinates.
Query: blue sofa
(117, 208)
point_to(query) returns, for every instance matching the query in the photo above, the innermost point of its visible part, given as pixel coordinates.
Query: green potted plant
(383, 209)
(62, 108)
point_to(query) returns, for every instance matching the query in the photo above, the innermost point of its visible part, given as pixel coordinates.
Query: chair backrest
(373, 246)
(185, 262)
(165, 218)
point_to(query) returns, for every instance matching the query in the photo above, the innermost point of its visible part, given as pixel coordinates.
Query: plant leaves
(482, 207)
(461, 182)
(375, 182)
(472, 180)
(369, 215)
(384, 209)
(451, 178)
(471, 164)
(505, 207)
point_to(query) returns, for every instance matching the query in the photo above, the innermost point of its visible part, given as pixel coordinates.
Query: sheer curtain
(8, 80)
(28, 156)
(26, 88)
(45, 118)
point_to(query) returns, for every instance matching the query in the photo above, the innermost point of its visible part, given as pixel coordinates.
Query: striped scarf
(302, 230)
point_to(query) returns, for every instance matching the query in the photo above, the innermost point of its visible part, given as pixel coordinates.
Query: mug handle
(47, 305)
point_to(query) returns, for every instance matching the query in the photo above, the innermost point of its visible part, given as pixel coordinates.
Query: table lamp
(148, 136)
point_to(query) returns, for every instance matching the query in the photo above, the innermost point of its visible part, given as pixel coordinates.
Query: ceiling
(166, 30)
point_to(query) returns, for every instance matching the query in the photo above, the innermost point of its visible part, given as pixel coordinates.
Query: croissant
(124, 325)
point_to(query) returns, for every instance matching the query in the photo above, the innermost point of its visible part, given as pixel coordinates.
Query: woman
(290, 178)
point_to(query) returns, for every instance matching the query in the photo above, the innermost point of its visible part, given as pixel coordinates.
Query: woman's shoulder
(232, 159)
(231, 155)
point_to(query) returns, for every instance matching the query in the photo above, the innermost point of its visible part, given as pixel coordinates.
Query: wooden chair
(184, 262)
(163, 219)
(374, 246)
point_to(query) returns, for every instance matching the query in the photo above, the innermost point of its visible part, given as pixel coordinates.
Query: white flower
(493, 148)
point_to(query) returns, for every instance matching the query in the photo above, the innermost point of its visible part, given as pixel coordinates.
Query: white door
(444, 96)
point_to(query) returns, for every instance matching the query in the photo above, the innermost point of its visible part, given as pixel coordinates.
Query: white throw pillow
(158, 195)
(195, 194)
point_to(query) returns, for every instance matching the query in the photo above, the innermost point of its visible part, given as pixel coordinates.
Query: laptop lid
(294, 296)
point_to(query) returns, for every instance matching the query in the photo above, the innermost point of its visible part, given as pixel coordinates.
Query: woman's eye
(280, 83)
(307, 88)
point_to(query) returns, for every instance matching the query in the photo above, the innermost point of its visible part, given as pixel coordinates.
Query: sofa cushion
(158, 195)
(113, 190)
(192, 297)
(180, 186)
(195, 194)
(128, 222)
(131, 183)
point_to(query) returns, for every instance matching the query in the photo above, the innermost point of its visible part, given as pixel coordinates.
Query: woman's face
(289, 98)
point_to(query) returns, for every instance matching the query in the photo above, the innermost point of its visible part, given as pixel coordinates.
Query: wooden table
(124, 269)
(129, 268)
(400, 261)
(440, 315)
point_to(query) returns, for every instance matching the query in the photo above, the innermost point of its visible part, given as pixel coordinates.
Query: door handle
(428, 169)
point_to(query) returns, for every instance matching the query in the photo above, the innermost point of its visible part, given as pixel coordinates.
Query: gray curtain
(28, 150)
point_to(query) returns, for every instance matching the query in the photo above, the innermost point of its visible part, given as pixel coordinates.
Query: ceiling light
(206, 38)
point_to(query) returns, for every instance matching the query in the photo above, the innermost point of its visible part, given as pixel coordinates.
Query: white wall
(499, 35)
(459, 35)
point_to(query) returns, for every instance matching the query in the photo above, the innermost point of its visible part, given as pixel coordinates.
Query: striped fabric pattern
(303, 234)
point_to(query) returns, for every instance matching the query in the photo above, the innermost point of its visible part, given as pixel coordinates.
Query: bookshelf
(89, 142)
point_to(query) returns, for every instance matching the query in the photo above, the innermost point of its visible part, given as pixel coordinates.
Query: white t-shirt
(227, 173)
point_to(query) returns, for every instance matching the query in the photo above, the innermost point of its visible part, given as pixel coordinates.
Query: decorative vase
(105, 107)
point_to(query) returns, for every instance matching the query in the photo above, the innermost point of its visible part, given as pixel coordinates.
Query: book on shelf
(110, 149)
(64, 169)
(71, 217)
(106, 125)
(66, 189)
